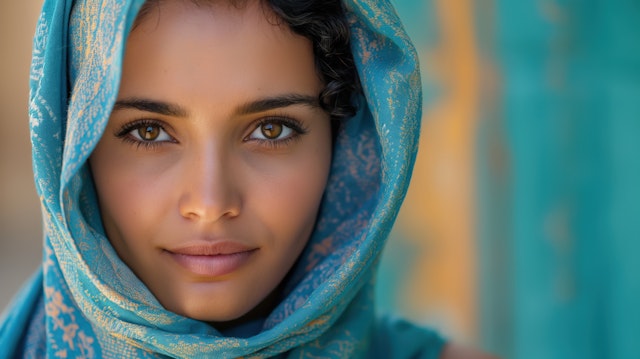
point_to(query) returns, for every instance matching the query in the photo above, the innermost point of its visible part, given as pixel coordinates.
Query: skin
(192, 154)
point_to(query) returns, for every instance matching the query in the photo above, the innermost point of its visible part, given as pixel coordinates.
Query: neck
(251, 323)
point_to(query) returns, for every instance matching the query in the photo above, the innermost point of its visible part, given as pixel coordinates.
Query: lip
(212, 260)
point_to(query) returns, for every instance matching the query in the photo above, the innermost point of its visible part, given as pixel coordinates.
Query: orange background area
(439, 208)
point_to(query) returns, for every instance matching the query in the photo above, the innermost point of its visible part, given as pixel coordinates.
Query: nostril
(209, 206)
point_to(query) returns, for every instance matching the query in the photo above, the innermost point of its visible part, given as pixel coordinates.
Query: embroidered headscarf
(85, 302)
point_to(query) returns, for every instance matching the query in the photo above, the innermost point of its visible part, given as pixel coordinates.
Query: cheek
(290, 198)
(125, 196)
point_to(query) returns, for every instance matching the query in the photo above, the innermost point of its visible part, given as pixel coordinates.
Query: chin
(228, 312)
(210, 311)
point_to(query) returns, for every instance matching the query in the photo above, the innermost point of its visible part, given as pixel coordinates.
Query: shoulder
(456, 351)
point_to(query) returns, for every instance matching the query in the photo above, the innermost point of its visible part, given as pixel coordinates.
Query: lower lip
(212, 266)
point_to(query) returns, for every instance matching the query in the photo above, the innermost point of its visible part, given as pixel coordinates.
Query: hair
(324, 23)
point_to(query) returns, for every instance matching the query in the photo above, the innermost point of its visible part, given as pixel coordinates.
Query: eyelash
(298, 129)
(126, 129)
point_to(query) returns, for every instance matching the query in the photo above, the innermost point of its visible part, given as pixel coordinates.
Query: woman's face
(215, 158)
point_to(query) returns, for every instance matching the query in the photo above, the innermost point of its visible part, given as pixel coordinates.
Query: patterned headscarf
(85, 302)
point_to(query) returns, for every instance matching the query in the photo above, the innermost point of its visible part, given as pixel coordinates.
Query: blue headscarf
(85, 302)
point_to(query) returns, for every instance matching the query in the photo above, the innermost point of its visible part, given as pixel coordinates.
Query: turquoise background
(558, 174)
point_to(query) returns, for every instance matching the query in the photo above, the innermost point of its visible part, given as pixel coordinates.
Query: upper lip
(211, 249)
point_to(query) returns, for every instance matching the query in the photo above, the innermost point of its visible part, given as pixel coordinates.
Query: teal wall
(557, 139)
(560, 230)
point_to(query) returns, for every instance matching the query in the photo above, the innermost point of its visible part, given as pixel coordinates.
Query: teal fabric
(86, 303)
(561, 220)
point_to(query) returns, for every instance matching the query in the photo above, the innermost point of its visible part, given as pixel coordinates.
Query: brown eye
(144, 132)
(271, 130)
(149, 133)
(275, 130)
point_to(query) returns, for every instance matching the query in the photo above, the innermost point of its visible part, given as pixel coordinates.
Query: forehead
(190, 51)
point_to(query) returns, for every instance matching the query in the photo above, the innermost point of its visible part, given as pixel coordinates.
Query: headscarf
(85, 302)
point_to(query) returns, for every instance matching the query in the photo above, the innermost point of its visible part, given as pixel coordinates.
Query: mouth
(212, 260)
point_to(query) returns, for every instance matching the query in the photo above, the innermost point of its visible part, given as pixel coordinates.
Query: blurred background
(521, 230)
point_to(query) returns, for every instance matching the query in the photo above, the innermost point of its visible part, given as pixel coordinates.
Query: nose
(209, 190)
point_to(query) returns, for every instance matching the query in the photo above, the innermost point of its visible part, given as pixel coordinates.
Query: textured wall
(561, 221)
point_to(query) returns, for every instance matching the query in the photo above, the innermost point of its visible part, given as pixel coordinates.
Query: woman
(213, 181)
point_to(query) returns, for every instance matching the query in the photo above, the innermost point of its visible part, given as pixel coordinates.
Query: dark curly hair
(324, 23)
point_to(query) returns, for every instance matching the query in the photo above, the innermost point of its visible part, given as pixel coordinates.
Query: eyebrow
(271, 103)
(261, 105)
(159, 107)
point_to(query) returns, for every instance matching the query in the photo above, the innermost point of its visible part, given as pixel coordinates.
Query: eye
(144, 132)
(271, 130)
(150, 132)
